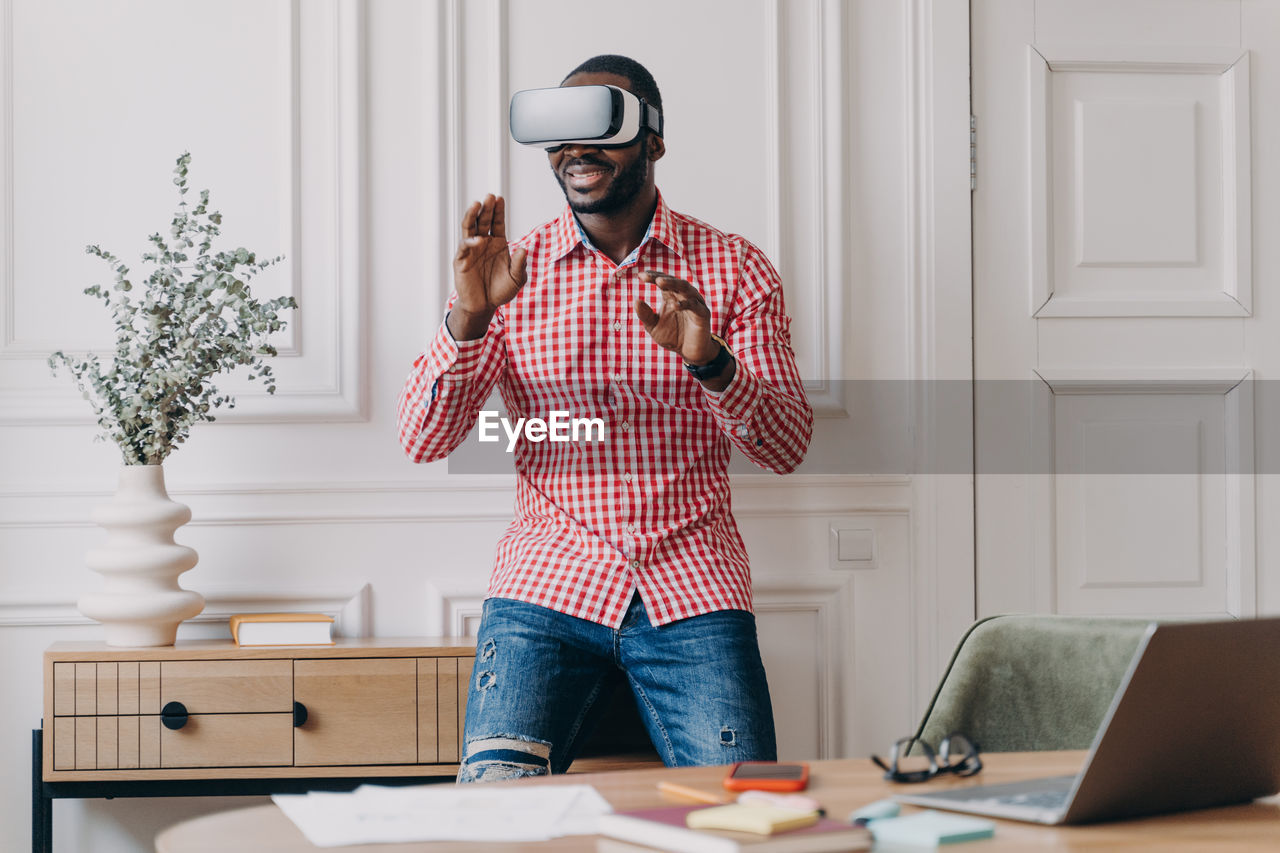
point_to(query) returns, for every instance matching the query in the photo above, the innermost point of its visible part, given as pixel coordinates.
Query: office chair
(1023, 683)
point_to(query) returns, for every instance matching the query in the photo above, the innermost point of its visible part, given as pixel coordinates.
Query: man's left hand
(682, 323)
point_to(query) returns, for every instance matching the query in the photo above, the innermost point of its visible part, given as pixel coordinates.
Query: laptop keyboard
(1038, 794)
(1036, 799)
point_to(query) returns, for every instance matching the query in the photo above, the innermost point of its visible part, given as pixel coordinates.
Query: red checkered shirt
(648, 507)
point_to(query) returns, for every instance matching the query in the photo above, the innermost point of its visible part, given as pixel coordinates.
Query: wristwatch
(716, 366)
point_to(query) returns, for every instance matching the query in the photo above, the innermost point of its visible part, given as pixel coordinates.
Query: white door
(1126, 155)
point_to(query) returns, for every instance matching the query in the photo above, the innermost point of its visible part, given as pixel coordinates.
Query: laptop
(1195, 724)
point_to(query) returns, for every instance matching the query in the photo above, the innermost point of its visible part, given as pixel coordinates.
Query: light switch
(853, 548)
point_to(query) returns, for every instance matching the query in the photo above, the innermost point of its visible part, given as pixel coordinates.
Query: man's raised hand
(682, 323)
(486, 273)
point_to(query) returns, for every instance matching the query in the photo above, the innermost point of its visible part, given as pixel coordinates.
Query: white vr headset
(602, 116)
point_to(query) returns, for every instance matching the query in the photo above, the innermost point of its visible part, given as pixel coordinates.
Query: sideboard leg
(41, 806)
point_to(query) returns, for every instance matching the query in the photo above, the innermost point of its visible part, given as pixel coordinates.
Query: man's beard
(622, 191)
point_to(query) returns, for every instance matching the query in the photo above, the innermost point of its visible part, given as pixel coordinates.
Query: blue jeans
(539, 675)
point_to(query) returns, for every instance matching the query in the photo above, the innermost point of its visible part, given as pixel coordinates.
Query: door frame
(940, 293)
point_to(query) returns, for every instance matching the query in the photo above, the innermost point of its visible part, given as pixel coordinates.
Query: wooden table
(840, 785)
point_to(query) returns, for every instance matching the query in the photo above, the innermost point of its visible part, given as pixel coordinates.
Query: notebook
(1195, 724)
(665, 828)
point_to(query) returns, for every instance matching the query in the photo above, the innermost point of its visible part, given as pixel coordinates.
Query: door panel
(1114, 285)
(1137, 157)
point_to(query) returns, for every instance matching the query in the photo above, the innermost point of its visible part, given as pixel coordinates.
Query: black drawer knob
(173, 715)
(299, 714)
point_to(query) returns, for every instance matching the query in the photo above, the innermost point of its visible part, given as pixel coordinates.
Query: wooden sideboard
(211, 718)
(211, 709)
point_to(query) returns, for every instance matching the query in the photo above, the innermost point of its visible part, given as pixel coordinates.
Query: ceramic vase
(140, 602)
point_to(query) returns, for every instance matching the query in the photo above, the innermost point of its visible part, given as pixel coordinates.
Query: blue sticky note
(879, 810)
(930, 828)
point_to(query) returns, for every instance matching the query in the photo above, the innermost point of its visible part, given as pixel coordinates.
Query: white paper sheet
(374, 814)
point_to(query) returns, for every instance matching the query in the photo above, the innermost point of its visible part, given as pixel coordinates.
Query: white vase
(140, 602)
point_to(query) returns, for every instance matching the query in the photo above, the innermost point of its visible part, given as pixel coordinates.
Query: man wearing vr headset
(623, 560)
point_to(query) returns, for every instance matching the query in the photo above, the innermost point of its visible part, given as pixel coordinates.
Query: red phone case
(733, 783)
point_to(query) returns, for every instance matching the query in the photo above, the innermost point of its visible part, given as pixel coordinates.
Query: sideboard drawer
(358, 711)
(229, 740)
(228, 686)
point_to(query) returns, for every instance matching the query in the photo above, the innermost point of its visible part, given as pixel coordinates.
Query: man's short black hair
(642, 83)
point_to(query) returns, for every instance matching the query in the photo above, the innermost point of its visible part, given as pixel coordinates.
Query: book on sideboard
(282, 629)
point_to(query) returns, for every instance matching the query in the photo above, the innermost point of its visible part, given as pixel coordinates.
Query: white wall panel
(790, 633)
(72, 85)
(269, 108)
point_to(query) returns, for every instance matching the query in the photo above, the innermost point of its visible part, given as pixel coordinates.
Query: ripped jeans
(539, 675)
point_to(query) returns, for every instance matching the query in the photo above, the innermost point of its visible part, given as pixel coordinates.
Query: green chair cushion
(1022, 683)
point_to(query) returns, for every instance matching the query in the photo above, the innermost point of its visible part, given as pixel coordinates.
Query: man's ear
(655, 147)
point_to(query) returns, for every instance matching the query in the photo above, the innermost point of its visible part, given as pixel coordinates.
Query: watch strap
(716, 366)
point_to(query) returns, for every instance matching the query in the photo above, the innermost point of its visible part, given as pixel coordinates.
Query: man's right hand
(485, 272)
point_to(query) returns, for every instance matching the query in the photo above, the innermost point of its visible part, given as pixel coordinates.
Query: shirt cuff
(737, 403)
(456, 358)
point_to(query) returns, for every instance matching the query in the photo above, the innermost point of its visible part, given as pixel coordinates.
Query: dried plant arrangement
(194, 317)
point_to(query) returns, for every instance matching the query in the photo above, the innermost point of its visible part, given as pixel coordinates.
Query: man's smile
(585, 178)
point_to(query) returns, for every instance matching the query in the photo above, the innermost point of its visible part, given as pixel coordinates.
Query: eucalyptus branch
(195, 317)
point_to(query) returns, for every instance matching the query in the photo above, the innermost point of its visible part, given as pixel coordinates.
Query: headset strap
(651, 117)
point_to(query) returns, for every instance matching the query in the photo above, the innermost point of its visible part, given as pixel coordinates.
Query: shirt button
(625, 426)
(617, 327)
(631, 528)
(617, 377)
(635, 564)
(626, 478)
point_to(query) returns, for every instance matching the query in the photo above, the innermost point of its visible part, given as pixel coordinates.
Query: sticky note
(760, 819)
(930, 828)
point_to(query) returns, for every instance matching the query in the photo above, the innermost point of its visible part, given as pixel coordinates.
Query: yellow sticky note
(759, 819)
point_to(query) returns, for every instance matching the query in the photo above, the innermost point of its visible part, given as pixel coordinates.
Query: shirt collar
(568, 233)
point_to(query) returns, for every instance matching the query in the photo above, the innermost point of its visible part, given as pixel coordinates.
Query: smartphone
(767, 776)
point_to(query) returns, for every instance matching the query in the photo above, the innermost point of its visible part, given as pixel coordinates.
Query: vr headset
(602, 116)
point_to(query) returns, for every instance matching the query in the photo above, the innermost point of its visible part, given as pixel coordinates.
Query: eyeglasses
(956, 754)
